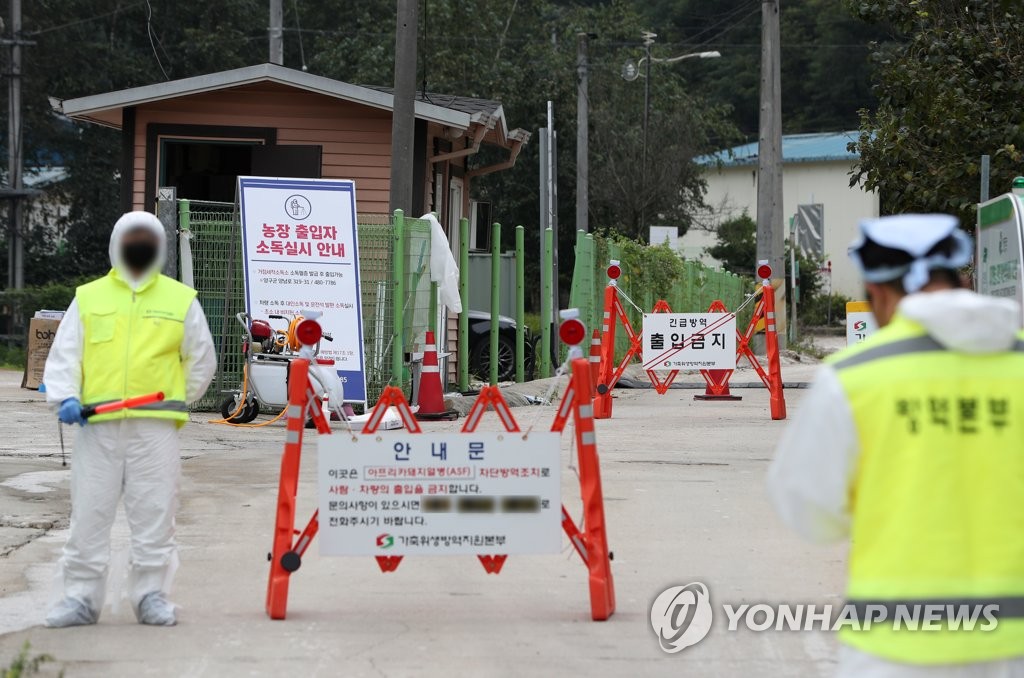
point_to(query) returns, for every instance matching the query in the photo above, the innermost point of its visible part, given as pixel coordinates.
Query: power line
(731, 15)
(302, 51)
(149, 31)
(69, 24)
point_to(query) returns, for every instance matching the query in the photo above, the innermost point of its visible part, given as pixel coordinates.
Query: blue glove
(70, 412)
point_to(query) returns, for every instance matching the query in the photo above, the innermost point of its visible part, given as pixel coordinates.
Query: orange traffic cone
(430, 396)
(717, 386)
(595, 357)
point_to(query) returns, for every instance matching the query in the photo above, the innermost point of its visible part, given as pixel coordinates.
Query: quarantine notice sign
(400, 493)
(689, 341)
(301, 253)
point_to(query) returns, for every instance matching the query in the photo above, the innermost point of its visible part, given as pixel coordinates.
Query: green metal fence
(215, 240)
(692, 290)
(214, 236)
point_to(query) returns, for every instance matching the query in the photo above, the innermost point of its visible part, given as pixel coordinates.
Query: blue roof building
(814, 147)
(816, 169)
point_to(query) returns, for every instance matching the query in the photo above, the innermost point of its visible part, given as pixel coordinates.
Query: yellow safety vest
(937, 500)
(132, 344)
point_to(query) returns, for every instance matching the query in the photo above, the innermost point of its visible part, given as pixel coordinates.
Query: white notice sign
(301, 253)
(400, 493)
(999, 259)
(689, 341)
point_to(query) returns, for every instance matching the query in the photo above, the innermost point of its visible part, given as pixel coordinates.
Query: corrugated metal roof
(816, 147)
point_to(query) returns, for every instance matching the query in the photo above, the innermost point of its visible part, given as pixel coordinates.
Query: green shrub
(12, 357)
(24, 665)
(532, 321)
(17, 306)
(815, 312)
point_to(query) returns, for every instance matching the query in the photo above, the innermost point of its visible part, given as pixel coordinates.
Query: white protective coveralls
(810, 478)
(137, 458)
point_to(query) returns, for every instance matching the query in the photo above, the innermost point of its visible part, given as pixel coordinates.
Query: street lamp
(631, 71)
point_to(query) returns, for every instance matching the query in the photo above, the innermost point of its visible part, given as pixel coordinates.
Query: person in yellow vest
(132, 332)
(911, 444)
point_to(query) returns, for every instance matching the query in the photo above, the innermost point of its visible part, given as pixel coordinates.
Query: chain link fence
(213, 234)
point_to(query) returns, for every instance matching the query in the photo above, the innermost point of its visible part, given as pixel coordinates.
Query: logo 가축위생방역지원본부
(681, 616)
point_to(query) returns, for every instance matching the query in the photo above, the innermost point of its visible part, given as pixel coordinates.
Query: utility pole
(770, 233)
(276, 33)
(582, 133)
(403, 120)
(16, 242)
(553, 206)
(648, 41)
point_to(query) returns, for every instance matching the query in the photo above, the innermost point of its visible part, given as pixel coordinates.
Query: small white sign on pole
(689, 341)
(401, 493)
(860, 322)
(301, 251)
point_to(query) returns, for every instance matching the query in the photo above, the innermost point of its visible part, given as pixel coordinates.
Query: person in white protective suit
(911, 445)
(129, 333)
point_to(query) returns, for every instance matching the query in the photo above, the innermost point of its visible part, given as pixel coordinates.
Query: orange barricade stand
(609, 372)
(662, 385)
(718, 380)
(591, 542)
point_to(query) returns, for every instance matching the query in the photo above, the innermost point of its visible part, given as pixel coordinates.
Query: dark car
(480, 347)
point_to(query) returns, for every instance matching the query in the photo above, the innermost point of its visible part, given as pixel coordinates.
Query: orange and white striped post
(593, 545)
(595, 357)
(603, 390)
(603, 387)
(777, 399)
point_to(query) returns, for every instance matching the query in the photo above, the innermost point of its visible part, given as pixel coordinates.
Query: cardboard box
(41, 332)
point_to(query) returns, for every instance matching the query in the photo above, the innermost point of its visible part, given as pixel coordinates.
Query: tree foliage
(87, 47)
(825, 67)
(947, 93)
(521, 52)
(736, 245)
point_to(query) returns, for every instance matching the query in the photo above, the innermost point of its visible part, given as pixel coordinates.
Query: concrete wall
(731, 190)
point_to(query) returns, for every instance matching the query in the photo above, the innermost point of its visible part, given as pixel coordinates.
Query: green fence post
(520, 305)
(464, 297)
(398, 270)
(594, 291)
(432, 325)
(495, 298)
(546, 290)
(184, 216)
